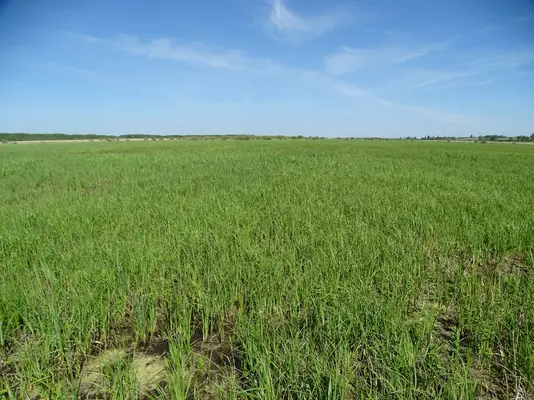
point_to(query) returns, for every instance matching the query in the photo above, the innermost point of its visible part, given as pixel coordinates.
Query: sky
(334, 68)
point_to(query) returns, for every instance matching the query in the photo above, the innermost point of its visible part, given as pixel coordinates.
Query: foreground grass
(267, 270)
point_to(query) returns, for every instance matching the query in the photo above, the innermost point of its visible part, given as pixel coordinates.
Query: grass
(267, 270)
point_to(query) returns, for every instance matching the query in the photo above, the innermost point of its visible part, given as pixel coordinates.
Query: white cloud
(350, 60)
(404, 66)
(356, 92)
(422, 51)
(204, 56)
(510, 60)
(194, 53)
(286, 25)
(169, 49)
(283, 18)
(417, 78)
(482, 70)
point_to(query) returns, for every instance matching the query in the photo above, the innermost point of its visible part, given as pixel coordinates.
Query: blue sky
(313, 67)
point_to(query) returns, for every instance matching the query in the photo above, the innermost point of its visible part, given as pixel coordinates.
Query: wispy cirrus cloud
(287, 25)
(350, 60)
(404, 67)
(194, 53)
(422, 50)
(170, 49)
(483, 69)
(198, 54)
(201, 55)
(404, 63)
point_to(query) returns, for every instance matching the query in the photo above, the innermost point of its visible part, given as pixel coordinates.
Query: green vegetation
(26, 137)
(485, 138)
(267, 270)
(21, 137)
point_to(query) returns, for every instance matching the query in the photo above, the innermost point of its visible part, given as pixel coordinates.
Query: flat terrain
(309, 269)
(75, 141)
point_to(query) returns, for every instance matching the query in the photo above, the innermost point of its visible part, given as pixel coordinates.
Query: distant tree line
(22, 137)
(484, 138)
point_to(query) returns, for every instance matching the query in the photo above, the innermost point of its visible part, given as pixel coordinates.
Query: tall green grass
(332, 269)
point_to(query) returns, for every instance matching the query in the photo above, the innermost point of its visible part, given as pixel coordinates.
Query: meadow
(306, 269)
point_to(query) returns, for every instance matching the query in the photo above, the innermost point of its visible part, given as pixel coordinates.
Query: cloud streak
(286, 25)
(411, 68)
(193, 53)
(350, 60)
(481, 71)
(204, 56)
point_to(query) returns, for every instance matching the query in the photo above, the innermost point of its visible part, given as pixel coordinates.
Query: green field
(324, 269)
